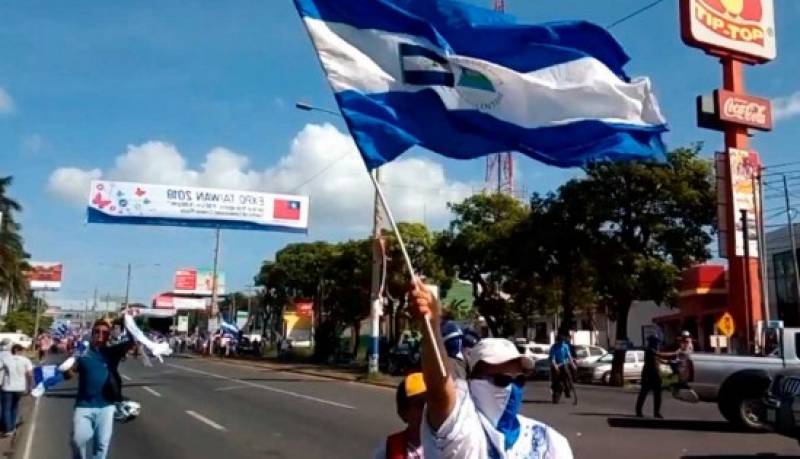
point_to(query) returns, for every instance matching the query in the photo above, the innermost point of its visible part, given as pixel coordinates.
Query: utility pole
(795, 265)
(747, 286)
(758, 187)
(128, 285)
(37, 304)
(213, 307)
(375, 294)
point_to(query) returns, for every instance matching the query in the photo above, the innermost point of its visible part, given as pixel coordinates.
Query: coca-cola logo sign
(744, 110)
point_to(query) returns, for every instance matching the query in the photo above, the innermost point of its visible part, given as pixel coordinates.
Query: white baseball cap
(495, 351)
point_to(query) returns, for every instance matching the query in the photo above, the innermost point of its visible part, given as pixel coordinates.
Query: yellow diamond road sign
(726, 325)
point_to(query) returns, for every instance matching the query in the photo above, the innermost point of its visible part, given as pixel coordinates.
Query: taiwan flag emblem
(286, 209)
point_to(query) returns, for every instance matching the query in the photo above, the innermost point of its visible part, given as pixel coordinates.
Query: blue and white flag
(60, 331)
(228, 328)
(45, 377)
(465, 81)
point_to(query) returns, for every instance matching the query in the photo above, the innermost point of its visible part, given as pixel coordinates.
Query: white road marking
(126, 377)
(148, 389)
(29, 440)
(265, 387)
(227, 388)
(204, 420)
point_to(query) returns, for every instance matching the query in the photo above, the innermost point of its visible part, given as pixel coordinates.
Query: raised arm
(441, 389)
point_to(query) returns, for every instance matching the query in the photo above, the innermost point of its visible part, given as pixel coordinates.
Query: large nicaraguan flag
(465, 81)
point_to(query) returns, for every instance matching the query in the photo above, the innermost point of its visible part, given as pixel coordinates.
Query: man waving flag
(465, 81)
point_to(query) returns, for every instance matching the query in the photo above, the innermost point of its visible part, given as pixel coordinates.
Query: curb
(281, 367)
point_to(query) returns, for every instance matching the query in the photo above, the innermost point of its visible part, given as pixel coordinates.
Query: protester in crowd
(562, 364)
(651, 378)
(17, 381)
(479, 418)
(5, 350)
(681, 364)
(406, 444)
(98, 390)
(453, 338)
(43, 344)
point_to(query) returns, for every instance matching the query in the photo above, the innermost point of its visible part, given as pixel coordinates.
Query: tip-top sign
(742, 28)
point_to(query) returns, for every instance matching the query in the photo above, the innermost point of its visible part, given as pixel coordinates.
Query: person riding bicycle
(562, 364)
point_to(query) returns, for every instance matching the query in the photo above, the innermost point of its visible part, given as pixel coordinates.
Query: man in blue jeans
(99, 388)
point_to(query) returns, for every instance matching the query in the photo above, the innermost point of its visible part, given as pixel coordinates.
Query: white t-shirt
(467, 434)
(15, 369)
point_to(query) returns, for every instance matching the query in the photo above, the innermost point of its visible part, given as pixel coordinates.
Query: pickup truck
(739, 383)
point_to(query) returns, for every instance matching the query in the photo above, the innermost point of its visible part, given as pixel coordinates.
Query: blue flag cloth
(45, 377)
(228, 328)
(465, 81)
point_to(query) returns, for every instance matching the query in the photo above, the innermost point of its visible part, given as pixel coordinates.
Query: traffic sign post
(726, 325)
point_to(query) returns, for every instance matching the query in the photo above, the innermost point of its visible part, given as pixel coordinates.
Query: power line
(320, 172)
(773, 166)
(634, 14)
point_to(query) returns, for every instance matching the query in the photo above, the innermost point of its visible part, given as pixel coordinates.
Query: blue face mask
(500, 405)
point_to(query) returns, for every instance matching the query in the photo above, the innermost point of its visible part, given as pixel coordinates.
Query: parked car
(781, 406)
(535, 351)
(599, 371)
(739, 383)
(582, 353)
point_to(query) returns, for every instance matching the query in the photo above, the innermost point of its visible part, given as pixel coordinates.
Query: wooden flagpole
(390, 217)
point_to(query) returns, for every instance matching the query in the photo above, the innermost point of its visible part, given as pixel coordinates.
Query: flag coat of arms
(465, 81)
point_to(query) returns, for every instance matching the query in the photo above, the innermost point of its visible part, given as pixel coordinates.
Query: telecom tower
(500, 166)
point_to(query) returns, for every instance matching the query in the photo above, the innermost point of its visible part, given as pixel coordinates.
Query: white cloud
(786, 106)
(6, 102)
(322, 162)
(72, 184)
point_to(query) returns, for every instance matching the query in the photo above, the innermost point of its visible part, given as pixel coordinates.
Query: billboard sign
(744, 167)
(304, 308)
(744, 29)
(186, 279)
(743, 110)
(198, 282)
(147, 204)
(45, 275)
(169, 301)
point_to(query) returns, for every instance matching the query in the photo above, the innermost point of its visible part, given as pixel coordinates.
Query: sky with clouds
(203, 93)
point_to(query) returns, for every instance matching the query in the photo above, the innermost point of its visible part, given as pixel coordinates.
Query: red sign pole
(744, 288)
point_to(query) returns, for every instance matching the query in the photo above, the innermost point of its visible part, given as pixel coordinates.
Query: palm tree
(13, 258)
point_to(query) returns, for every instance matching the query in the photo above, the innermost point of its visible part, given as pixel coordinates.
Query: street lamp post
(377, 261)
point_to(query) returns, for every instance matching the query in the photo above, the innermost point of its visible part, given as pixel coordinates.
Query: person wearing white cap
(479, 418)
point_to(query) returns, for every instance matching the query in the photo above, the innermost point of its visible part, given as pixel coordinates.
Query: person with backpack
(410, 398)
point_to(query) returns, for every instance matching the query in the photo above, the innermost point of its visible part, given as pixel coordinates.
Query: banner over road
(146, 204)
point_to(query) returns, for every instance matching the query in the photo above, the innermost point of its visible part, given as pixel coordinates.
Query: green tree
(477, 247)
(23, 320)
(552, 271)
(428, 263)
(649, 223)
(13, 258)
(298, 271)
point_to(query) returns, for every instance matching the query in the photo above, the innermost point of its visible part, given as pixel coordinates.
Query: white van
(18, 338)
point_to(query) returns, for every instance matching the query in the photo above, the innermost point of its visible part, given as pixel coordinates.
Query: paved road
(206, 409)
